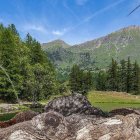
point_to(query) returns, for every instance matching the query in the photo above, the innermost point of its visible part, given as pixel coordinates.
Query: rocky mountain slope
(96, 53)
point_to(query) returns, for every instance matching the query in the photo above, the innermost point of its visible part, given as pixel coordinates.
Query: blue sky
(73, 21)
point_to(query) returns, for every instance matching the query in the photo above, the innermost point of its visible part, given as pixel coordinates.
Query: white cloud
(33, 27)
(81, 2)
(59, 32)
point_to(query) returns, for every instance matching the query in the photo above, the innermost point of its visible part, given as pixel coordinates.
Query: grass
(7, 116)
(111, 100)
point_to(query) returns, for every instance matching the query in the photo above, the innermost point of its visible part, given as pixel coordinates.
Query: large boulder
(54, 126)
(73, 104)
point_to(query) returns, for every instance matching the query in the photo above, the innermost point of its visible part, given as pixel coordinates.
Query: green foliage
(113, 76)
(129, 76)
(101, 81)
(80, 81)
(27, 66)
(136, 78)
(124, 77)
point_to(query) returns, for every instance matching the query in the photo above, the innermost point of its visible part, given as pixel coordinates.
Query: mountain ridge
(57, 42)
(97, 53)
(79, 44)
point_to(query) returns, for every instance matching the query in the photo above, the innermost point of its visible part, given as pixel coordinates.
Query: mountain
(54, 44)
(96, 54)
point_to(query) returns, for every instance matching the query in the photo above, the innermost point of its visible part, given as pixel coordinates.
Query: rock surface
(20, 117)
(124, 111)
(54, 126)
(73, 118)
(73, 104)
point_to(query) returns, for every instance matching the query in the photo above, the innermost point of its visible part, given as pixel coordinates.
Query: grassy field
(112, 100)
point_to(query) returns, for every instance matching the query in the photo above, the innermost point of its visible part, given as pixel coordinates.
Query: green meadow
(108, 101)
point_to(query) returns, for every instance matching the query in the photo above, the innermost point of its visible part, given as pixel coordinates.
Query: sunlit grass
(112, 100)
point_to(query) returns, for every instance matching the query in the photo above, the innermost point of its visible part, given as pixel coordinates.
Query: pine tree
(13, 29)
(136, 78)
(43, 71)
(89, 81)
(25, 71)
(129, 76)
(9, 61)
(74, 81)
(80, 81)
(101, 83)
(122, 75)
(113, 76)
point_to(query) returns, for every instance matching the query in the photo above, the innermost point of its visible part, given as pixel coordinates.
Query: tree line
(79, 80)
(122, 77)
(25, 70)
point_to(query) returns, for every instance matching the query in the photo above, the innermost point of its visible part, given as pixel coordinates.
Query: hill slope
(96, 53)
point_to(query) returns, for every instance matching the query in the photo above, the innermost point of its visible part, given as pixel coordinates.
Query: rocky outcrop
(54, 126)
(73, 104)
(124, 111)
(73, 118)
(20, 117)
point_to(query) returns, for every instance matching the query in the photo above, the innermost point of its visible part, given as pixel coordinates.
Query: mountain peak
(98, 53)
(55, 43)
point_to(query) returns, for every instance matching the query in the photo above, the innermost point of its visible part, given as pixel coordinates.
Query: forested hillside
(96, 54)
(25, 71)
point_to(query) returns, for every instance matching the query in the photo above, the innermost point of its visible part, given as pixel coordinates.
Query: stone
(124, 111)
(54, 126)
(73, 104)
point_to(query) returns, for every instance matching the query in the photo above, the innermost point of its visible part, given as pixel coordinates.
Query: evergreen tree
(129, 76)
(113, 76)
(74, 81)
(80, 81)
(122, 75)
(101, 83)
(43, 72)
(25, 70)
(13, 29)
(89, 81)
(136, 78)
(9, 61)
